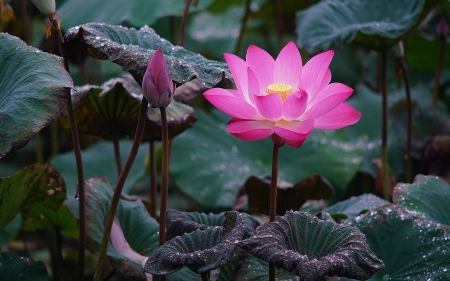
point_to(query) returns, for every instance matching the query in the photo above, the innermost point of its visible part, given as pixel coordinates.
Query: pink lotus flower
(157, 86)
(282, 98)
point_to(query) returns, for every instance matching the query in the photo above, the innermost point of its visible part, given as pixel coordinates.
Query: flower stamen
(279, 88)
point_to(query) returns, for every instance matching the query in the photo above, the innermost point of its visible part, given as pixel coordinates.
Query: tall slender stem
(153, 184)
(54, 137)
(119, 187)
(54, 239)
(384, 125)
(273, 198)
(243, 27)
(279, 22)
(437, 77)
(79, 163)
(164, 179)
(184, 21)
(205, 276)
(402, 63)
(117, 154)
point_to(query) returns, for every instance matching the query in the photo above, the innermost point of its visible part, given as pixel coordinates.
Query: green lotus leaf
(13, 267)
(132, 49)
(289, 196)
(313, 247)
(428, 196)
(33, 90)
(179, 223)
(112, 109)
(10, 231)
(254, 269)
(135, 13)
(200, 250)
(353, 206)
(225, 162)
(139, 230)
(412, 248)
(330, 24)
(30, 190)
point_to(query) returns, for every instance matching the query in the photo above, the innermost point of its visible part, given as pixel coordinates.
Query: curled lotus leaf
(200, 250)
(179, 223)
(289, 196)
(330, 24)
(313, 247)
(34, 88)
(111, 110)
(132, 49)
(13, 267)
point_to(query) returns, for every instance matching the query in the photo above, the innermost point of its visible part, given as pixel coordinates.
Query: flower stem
(79, 163)
(437, 77)
(184, 21)
(279, 22)
(119, 187)
(408, 173)
(384, 155)
(117, 154)
(164, 179)
(243, 27)
(273, 198)
(153, 184)
(205, 276)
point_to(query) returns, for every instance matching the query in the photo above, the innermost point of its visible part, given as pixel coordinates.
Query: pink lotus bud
(442, 28)
(157, 86)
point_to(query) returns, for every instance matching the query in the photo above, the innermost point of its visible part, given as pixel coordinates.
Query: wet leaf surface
(200, 250)
(210, 165)
(33, 91)
(33, 189)
(289, 196)
(331, 24)
(353, 206)
(411, 247)
(429, 196)
(132, 49)
(15, 268)
(313, 247)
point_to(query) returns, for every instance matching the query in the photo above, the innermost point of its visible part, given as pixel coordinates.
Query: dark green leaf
(14, 268)
(313, 247)
(32, 189)
(289, 196)
(132, 49)
(225, 162)
(330, 24)
(135, 13)
(253, 269)
(428, 196)
(352, 207)
(10, 231)
(179, 223)
(33, 91)
(139, 230)
(411, 247)
(200, 250)
(113, 108)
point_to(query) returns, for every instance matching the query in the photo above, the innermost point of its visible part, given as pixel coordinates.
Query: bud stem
(118, 191)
